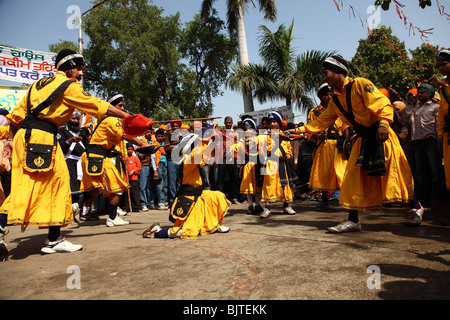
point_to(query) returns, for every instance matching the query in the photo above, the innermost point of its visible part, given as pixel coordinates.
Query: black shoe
(259, 209)
(251, 210)
(89, 217)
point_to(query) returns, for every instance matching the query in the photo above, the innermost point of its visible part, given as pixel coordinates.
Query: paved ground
(281, 258)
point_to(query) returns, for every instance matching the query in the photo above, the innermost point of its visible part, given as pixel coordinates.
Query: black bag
(39, 157)
(95, 166)
(95, 163)
(371, 158)
(182, 207)
(186, 198)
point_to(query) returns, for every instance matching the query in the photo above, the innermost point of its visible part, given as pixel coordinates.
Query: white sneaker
(223, 229)
(144, 208)
(265, 214)
(289, 210)
(150, 232)
(345, 226)
(4, 253)
(121, 212)
(76, 212)
(415, 217)
(118, 221)
(60, 245)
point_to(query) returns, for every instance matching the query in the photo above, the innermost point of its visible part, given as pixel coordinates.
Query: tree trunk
(243, 58)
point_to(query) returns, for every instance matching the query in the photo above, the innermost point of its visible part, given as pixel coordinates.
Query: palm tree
(283, 75)
(235, 21)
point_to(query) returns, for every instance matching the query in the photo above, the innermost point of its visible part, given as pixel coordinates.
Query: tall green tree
(133, 50)
(383, 59)
(209, 53)
(235, 20)
(283, 75)
(62, 44)
(423, 62)
(163, 70)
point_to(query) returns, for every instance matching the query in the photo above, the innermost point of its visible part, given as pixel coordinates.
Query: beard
(75, 127)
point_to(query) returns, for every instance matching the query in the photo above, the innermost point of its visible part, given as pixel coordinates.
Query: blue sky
(317, 25)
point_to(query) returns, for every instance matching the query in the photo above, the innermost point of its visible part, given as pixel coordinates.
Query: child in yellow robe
(277, 186)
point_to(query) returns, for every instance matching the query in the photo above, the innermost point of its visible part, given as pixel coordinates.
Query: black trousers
(227, 180)
(429, 175)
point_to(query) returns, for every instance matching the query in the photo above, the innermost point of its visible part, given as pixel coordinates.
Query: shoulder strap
(348, 114)
(98, 123)
(47, 102)
(316, 112)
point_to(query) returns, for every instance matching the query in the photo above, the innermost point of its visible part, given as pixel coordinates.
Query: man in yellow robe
(41, 197)
(443, 130)
(107, 146)
(329, 163)
(380, 174)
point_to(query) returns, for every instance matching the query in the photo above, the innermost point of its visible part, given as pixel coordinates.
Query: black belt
(31, 122)
(96, 149)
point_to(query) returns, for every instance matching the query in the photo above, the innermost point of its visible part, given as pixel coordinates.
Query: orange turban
(413, 91)
(399, 106)
(136, 125)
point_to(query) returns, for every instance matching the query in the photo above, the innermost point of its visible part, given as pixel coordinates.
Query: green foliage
(283, 75)
(424, 62)
(268, 7)
(209, 53)
(375, 59)
(385, 4)
(133, 50)
(136, 51)
(62, 44)
(383, 59)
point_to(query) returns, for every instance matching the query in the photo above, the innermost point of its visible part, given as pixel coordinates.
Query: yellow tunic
(4, 133)
(443, 111)
(43, 198)
(360, 191)
(329, 164)
(247, 172)
(108, 135)
(209, 210)
(272, 190)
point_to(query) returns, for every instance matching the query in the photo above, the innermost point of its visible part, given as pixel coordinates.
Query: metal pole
(80, 30)
(80, 41)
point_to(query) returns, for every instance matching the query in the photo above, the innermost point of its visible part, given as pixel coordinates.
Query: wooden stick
(123, 144)
(193, 119)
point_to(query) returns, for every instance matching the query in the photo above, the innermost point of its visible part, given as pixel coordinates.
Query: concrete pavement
(279, 258)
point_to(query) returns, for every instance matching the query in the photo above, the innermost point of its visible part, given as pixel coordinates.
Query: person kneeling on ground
(195, 211)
